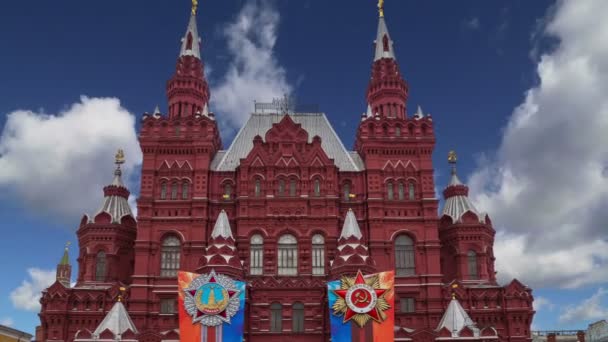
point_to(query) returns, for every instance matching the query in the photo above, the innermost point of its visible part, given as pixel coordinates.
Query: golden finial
(67, 245)
(122, 292)
(194, 6)
(452, 158)
(120, 157)
(381, 8)
(454, 287)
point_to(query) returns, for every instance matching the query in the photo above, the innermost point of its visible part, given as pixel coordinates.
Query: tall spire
(188, 90)
(64, 269)
(387, 91)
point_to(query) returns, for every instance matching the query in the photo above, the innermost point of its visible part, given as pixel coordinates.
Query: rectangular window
(408, 305)
(257, 260)
(276, 324)
(168, 306)
(318, 259)
(288, 260)
(405, 263)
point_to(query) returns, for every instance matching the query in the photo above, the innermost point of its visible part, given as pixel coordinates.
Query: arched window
(185, 188)
(398, 131)
(257, 188)
(256, 257)
(174, 191)
(412, 192)
(292, 188)
(100, 266)
(189, 41)
(227, 190)
(391, 194)
(163, 190)
(317, 187)
(346, 190)
(297, 317)
(318, 255)
(169, 257)
(401, 191)
(281, 187)
(276, 317)
(404, 256)
(472, 262)
(288, 255)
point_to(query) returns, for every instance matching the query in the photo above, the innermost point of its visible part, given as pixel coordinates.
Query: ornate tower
(173, 222)
(106, 239)
(387, 91)
(188, 91)
(467, 236)
(64, 269)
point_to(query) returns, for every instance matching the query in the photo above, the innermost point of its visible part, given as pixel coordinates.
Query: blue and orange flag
(362, 308)
(211, 307)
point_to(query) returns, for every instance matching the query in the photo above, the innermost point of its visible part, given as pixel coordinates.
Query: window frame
(318, 255)
(287, 255)
(298, 314)
(256, 255)
(101, 259)
(407, 305)
(170, 256)
(405, 256)
(473, 264)
(276, 317)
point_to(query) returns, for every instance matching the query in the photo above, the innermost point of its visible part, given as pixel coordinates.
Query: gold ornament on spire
(120, 157)
(67, 245)
(122, 293)
(381, 8)
(454, 287)
(452, 158)
(194, 6)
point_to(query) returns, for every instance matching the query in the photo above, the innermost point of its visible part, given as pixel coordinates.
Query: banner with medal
(362, 308)
(211, 307)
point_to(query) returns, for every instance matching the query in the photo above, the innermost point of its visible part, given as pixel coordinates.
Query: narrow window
(281, 187)
(257, 187)
(391, 194)
(385, 43)
(346, 191)
(404, 256)
(318, 255)
(401, 191)
(227, 191)
(408, 305)
(288, 255)
(292, 188)
(297, 317)
(317, 187)
(256, 257)
(163, 191)
(398, 131)
(185, 188)
(472, 262)
(167, 306)
(412, 192)
(174, 191)
(276, 317)
(100, 266)
(170, 255)
(189, 41)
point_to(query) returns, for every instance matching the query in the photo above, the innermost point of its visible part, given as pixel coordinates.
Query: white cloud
(546, 189)
(541, 303)
(27, 295)
(58, 164)
(472, 24)
(254, 72)
(589, 310)
(7, 321)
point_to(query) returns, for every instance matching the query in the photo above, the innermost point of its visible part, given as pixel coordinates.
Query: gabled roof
(316, 124)
(117, 321)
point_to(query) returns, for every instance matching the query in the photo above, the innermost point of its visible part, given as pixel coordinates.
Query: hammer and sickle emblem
(361, 298)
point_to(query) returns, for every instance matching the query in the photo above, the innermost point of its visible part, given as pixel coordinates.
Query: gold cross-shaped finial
(381, 8)
(120, 157)
(452, 158)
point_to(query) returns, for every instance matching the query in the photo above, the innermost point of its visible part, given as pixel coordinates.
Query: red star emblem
(361, 299)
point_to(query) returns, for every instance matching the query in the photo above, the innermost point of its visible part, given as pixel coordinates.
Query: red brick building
(286, 207)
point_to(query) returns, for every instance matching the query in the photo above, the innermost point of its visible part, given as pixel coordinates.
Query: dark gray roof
(314, 123)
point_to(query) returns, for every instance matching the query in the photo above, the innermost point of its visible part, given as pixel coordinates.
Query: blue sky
(505, 81)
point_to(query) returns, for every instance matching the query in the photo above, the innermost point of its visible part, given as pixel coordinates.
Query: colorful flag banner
(211, 307)
(362, 308)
